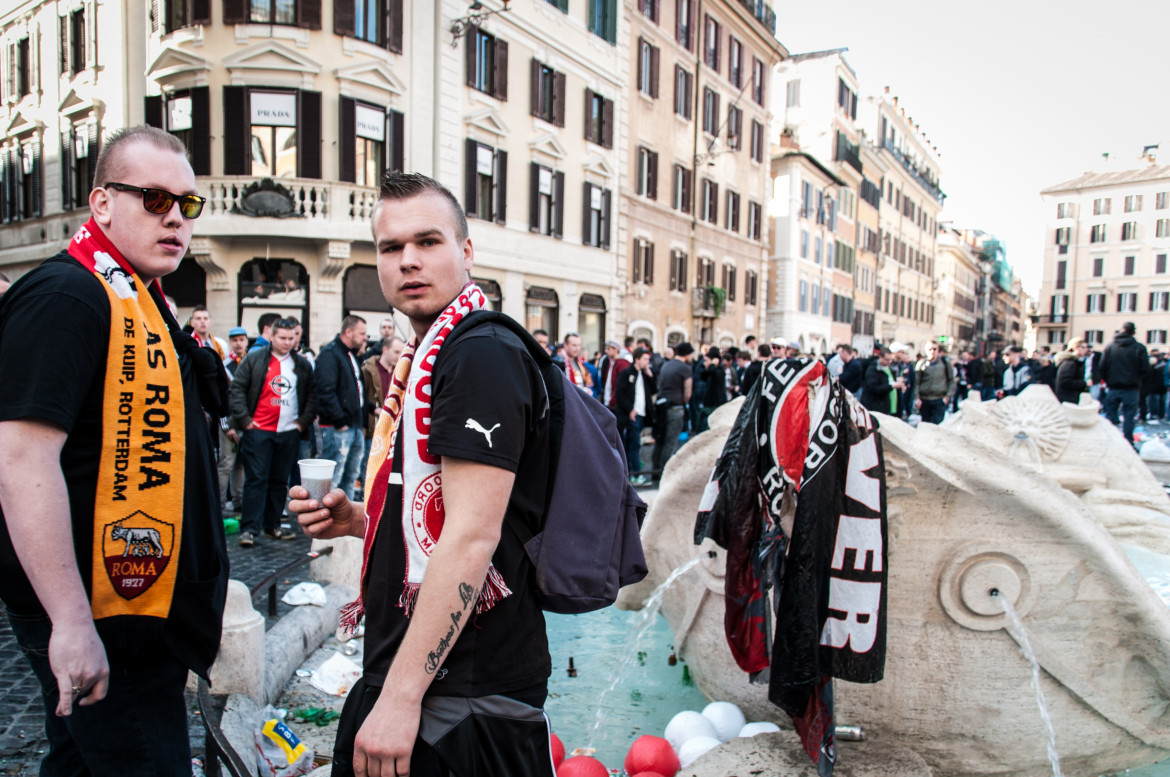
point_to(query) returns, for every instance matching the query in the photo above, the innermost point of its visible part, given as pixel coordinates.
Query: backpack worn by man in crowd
(587, 546)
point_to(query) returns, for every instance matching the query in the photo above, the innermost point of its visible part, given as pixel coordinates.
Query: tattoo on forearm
(467, 595)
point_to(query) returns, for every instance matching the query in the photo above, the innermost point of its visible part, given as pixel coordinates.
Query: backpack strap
(552, 386)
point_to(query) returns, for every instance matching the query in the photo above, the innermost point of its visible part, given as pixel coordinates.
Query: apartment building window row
(1063, 234)
(643, 266)
(709, 206)
(1128, 265)
(1061, 272)
(844, 260)
(734, 128)
(1102, 206)
(755, 220)
(1129, 230)
(487, 63)
(846, 99)
(598, 119)
(680, 189)
(1095, 303)
(710, 111)
(728, 281)
(1094, 336)
(734, 62)
(1127, 302)
(1064, 210)
(647, 173)
(751, 287)
(21, 182)
(77, 42)
(684, 92)
(1156, 337)
(374, 21)
(732, 214)
(546, 200)
(371, 140)
(684, 23)
(485, 194)
(271, 133)
(1162, 228)
(842, 309)
(79, 150)
(293, 13)
(1160, 264)
(601, 16)
(1099, 267)
(546, 93)
(598, 209)
(648, 60)
(706, 274)
(166, 16)
(1133, 203)
(678, 270)
(759, 79)
(1161, 200)
(1158, 301)
(649, 9)
(712, 38)
(19, 69)
(1097, 233)
(757, 141)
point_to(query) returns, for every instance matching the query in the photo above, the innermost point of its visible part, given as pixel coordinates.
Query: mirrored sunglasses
(160, 201)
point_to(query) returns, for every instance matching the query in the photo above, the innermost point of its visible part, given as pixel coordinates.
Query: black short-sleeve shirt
(486, 377)
(54, 342)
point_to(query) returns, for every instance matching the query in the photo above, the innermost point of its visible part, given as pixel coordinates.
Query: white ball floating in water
(688, 725)
(726, 717)
(695, 747)
(759, 727)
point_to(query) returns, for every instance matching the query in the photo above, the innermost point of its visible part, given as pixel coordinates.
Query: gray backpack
(588, 544)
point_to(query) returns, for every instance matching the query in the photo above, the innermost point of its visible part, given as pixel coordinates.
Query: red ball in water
(582, 766)
(558, 750)
(652, 754)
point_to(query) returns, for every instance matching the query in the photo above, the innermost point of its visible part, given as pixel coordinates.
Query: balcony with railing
(762, 12)
(912, 168)
(703, 302)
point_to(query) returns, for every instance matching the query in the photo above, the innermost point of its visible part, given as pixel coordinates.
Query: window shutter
(153, 111)
(90, 33)
(397, 140)
(63, 22)
(500, 82)
(36, 176)
(470, 190)
(346, 138)
(469, 53)
(10, 71)
(309, 134)
(641, 43)
(558, 225)
(559, 99)
(611, 20)
(715, 114)
(692, 34)
(533, 197)
(714, 203)
(309, 15)
(673, 269)
(67, 172)
(201, 130)
(654, 71)
(156, 20)
(5, 200)
(534, 91)
(652, 184)
(94, 148)
(649, 263)
(678, 23)
(687, 190)
(201, 12)
(343, 18)
(607, 123)
(637, 261)
(394, 38)
(587, 215)
(589, 116)
(605, 215)
(237, 133)
(501, 187)
(235, 11)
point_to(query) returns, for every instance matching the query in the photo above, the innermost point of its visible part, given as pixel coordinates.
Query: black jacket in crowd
(1125, 363)
(626, 392)
(1070, 377)
(876, 396)
(244, 391)
(339, 396)
(852, 375)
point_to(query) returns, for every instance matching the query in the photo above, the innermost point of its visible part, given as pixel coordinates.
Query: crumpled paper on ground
(305, 593)
(336, 676)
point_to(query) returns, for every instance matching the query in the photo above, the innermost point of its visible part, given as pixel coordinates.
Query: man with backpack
(934, 384)
(455, 641)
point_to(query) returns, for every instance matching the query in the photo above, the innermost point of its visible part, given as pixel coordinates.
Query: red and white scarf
(409, 396)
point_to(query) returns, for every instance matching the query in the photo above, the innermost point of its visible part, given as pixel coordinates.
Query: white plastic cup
(317, 476)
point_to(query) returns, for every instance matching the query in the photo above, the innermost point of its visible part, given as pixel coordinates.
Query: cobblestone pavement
(22, 740)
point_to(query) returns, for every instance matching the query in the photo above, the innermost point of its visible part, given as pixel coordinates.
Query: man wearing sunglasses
(113, 566)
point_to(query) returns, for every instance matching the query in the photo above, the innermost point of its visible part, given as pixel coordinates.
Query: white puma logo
(473, 424)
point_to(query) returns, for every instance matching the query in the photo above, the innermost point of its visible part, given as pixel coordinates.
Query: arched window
(542, 311)
(591, 320)
(273, 286)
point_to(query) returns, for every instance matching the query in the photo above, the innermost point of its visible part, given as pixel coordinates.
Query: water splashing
(640, 624)
(1016, 629)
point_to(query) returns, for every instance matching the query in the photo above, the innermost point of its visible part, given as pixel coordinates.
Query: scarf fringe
(494, 591)
(352, 614)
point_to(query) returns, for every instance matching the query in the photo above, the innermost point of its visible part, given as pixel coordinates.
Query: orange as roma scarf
(138, 510)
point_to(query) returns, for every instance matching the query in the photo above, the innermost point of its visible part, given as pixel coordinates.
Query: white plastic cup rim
(316, 469)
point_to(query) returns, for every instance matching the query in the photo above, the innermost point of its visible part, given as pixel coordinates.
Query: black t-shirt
(54, 341)
(672, 380)
(486, 375)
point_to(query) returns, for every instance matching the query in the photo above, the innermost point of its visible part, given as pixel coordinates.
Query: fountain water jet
(1020, 635)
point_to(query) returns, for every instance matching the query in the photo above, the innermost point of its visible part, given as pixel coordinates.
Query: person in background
(1123, 368)
(635, 391)
(1070, 372)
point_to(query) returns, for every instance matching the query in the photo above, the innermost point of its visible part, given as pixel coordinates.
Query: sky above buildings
(1016, 95)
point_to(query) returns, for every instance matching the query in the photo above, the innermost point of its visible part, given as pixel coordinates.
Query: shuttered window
(598, 119)
(547, 90)
(487, 63)
(375, 21)
(272, 133)
(546, 201)
(595, 227)
(485, 182)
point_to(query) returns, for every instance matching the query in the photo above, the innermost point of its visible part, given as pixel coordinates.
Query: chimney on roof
(1150, 153)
